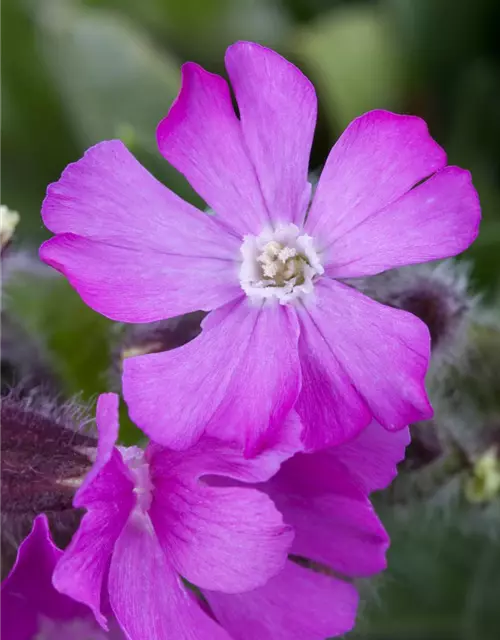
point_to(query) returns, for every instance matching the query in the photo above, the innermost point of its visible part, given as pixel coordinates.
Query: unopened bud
(44, 460)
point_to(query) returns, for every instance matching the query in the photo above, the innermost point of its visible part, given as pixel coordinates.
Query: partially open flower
(152, 519)
(158, 518)
(44, 459)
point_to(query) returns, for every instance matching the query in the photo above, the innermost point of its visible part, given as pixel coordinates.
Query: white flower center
(139, 469)
(279, 264)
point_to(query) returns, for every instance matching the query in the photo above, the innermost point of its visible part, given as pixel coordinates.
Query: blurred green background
(75, 72)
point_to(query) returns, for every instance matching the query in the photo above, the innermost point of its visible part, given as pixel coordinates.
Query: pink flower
(151, 519)
(216, 519)
(284, 330)
(324, 497)
(32, 609)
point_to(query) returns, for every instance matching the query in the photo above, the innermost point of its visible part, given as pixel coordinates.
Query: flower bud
(45, 457)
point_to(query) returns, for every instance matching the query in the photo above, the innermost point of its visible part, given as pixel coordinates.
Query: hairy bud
(460, 447)
(45, 457)
(469, 398)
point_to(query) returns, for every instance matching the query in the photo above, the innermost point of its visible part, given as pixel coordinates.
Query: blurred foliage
(78, 71)
(354, 55)
(443, 580)
(76, 338)
(77, 342)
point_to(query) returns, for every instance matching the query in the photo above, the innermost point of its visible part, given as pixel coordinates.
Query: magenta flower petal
(237, 539)
(128, 287)
(297, 603)
(32, 608)
(157, 516)
(107, 409)
(324, 497)
(437, 219)
(339, 531)
(359, 359)
(133, 249)
(245, 353)
(27, 592)
(137, 253)
(212, 457)
(109, 195)
(371, 458)
(108, 497)
(277, 106)
(81, 571)
(202, 138)
(378, 158)
(330, 406)
(148, 598)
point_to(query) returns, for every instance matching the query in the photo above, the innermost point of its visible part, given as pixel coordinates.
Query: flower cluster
(247, 515)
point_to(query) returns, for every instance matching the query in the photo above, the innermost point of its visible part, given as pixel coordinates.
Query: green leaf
(352, 56)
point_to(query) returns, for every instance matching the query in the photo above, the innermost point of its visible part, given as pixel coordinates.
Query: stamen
(270, 269)
(279, 264)
(286, 253)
